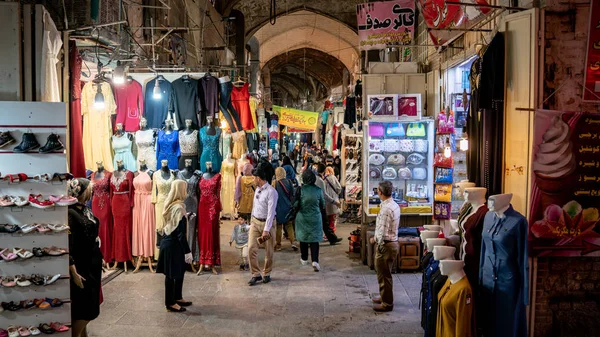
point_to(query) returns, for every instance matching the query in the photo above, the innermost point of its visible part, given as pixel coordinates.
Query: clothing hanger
(239, 82)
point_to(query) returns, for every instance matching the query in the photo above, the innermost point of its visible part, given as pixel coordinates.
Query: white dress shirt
(265, 205)
(388, 220)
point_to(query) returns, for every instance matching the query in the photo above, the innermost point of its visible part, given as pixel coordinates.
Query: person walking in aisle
(285, 193)
(333, 188)
(261, 226)
(309, 226)
(175, 251)
(386, 239)
(332, 200)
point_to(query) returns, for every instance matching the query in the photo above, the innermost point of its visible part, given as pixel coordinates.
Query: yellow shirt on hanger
(253, 108)
(97, 127)
(455, 310)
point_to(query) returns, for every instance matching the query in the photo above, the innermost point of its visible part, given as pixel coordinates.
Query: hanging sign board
(565, 191)
(385, 23)
(441, 16)
(591, 93)
(301, 119)
(296, 130)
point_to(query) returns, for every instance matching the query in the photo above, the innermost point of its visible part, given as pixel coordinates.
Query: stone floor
(298, 301)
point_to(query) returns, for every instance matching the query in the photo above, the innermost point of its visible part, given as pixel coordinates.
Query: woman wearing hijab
(175, 251)
(332, 187)
(85, 258)
(309, 222)
(285, 190)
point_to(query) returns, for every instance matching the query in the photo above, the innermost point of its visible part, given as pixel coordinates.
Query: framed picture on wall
(383, 106)
(409, 106)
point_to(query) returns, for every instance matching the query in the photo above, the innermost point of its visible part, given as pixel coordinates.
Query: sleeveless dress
(160, 191)
(209, 208)
(167, 148)
(122, 147)
(210, 150)
(191, 205)
(121, 192)
(226, 143)
(240, 98)
(247, 199)
(143, 216)
(240, 147)
(188, 144)
(102, 210)
(144, 139)
(228, 186)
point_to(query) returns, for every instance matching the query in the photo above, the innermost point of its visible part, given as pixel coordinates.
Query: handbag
(291, 216)
(442, 210)
(376, 145)
(419, 173)
(389, 173)
(376, 159)
(405, 173)
(376, 130)
(375, 173)
(416, 130)
(439, 160)
(391, 145)
(415, 158)
(395, 130)
(421, 145)
(396, 159)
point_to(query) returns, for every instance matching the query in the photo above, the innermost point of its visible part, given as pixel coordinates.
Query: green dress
(309, 223)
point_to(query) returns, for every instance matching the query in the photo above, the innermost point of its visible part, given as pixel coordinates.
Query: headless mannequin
(499, 203)
(429, 234)
(164, 170)
(443, 252)
(119, 132)
(100, 172)
(455, 310)
(121, 171)
(453, 269)
(437, 228)
(464, 184)
(188, 171)
(210, 128)
(432, 243)
(140, 259)
(188, 127)
(168, 126)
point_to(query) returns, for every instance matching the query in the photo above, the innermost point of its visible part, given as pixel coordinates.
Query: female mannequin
(121, 144)
(455, 308)
(167, 145)
(433, 282)
(188, 143)
(144, 223)
(145, 140)
(444, 252)
(192, 177)
(161, 185)
(471, 224)
(504, 270)
(102, 210)
(209, 146)
(228, 169)
(209, 208)
(121, 195)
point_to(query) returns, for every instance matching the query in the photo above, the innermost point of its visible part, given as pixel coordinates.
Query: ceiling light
(464, 143)
(99, 98)
(447, 149)
(119, 74)
(156, 93)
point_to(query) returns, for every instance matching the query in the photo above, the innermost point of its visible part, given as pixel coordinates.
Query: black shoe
(267, 279)
(254, 280)
(246, 267)
(184, 303)
(28, 143)
(335, 242)
(242, 267)
(52, 144)
(171, 309)
(6, 139)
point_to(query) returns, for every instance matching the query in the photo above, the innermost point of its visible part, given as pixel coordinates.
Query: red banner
(592, 63)
(441, 16)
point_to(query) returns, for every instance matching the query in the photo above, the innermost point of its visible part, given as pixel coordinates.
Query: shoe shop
(299, 168)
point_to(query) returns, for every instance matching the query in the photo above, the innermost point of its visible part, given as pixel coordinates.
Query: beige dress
(239, 145)
(96, 126)
(228, 186)
(160, 191)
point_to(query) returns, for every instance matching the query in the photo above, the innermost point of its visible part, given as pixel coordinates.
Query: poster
(565, 194)
(592, 63)
(301, 119)
(441, 16)
(385, 23)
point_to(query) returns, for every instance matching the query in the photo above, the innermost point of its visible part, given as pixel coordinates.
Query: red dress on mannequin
(121, 197)
(102, 210)
(209, 208)
(240, 97)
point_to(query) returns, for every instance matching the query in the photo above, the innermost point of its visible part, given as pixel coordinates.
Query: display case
(400, 152)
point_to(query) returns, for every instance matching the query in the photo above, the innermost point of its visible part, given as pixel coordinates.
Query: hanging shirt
(155, 109)
(208, 94)
(130, 105)
(185, 103)
(253, 108)
(455, 310)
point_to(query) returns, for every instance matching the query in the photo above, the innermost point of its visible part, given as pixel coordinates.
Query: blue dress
(122, 147)
(209, 147)
(167, 147)
(503, 275)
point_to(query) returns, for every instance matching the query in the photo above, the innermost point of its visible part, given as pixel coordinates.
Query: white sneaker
(316, 266)
(304, 262)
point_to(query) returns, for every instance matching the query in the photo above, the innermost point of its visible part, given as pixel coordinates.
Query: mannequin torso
(209, 171)
(100, 172)
(120, 170)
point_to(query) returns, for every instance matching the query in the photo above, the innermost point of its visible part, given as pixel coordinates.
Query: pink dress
(102, 211)
(121, 198)
(144, 223)
(209, 208)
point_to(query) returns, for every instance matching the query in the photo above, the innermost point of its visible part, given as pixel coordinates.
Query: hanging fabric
(51, 45)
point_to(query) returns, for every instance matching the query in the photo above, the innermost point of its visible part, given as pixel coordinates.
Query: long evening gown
(226, 143)
(240, 146)
(191, 204)
(188, 145)
(160, 191)
(101, 209)
(144, 140)
(97, 128)
(209, 146)
(167, 147)
(144, 222)
(121, 198)
(122, 147)
(209, 208)
(228, 186)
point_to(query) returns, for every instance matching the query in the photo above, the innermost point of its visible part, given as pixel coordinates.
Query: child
(240, 236)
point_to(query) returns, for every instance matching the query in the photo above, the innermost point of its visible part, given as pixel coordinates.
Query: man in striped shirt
(386, 241)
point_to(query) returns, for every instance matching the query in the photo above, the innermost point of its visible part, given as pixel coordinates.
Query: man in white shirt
(386, 250)
(262, 225)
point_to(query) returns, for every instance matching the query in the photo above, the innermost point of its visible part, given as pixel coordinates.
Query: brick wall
(568, 289)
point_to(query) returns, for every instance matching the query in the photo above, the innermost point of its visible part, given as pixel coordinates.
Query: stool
(410, 253)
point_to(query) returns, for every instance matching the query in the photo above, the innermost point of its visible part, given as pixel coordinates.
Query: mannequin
(192, 177)
(433, 282)
(210, 137)
(431, 243)
(141, 222)
(209, 171)
(165, 172)
(210, 128)
(188, 171)
(120, 169)
(122, 148)
(143, 124)
(145, 140)
(188, 127)
(188, 145)
(121, 187)
(443, 253)
(143, 166)
(436, 228)
(168, 126)
(119, 132)
(504, 270)
(428, 234)
(240, 163)
(455, 307)
(100, 172)
(102, 210)
(209, 207)
(228, 172)
(471, 221)
(161, 185)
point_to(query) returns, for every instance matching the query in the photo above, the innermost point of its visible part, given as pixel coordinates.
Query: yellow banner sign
(301, 119)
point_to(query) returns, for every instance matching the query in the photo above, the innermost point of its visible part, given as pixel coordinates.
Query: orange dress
(240, 98)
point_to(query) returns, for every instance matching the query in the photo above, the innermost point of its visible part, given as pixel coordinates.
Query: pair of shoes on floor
(29, 142)
(255, 279)
(315, 265)
(181, 309)
(379, 305)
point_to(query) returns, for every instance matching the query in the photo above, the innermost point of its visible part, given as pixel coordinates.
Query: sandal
(13, 331)
(6, 201)
(16, 177)
(59, 327)
(58, 228)
(27, 304)
(38, 252)
(37, 280)
(55, 303)
(34, 331)
(47, 329)
(9, 282)
(62, 177)
(43, 228)
(48, 280)
(53, 251)
(12, 306)
(25, 229)
(22, 281)
(42, 304)
(20, 201)
(9, 228)
(3, 333)
(42, 178)
(22, 253)
(24, 332)
(7, 256)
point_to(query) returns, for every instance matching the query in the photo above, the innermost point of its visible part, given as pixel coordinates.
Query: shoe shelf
(41, 119)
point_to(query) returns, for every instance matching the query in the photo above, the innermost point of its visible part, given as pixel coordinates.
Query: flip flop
(58, 228)
(59, 327)
(25, 229)
(22, 253)
(48, 280)
(24, 332)
(7, 256)
(3, 333)
(34, 331)
(22, 281)
(55, 303)
(38, 252)
(9, 282)
(43, 228)
(13, 331)
(54, 251)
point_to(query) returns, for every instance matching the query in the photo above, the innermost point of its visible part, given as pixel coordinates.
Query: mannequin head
(436, 228)
(209, 166)
(475, 195)
(454, 226)
(429, 234)
(229, 156)
(120, 165)
(431, 243)
(143, 166)
(143, 123)
(464, 184)
(499, 203)
(444, 252)
(453, 269)
(164, 164)
(119, 128)
(169, 124)
(188, 123)
(100, 166)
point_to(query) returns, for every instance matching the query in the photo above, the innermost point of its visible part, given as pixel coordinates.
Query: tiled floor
(298, 302)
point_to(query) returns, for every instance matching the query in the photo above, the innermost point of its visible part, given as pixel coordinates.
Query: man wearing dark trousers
(329, 198)
(386, 241)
